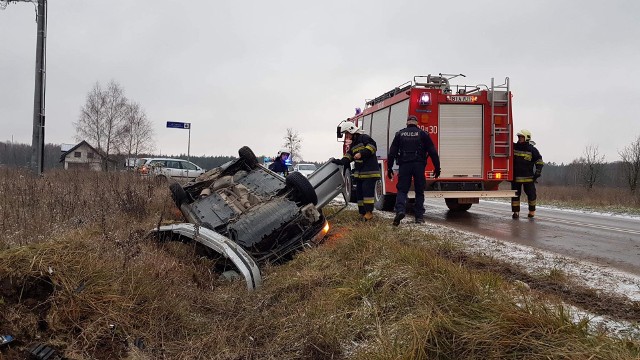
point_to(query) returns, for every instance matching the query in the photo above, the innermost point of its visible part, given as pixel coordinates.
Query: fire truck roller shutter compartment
(366, 125)
(379, 126)
(460, 141)
(398, 119)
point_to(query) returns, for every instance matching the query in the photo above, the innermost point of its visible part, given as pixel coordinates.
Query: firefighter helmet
(349, 127)
(283, 151)
(526, 134)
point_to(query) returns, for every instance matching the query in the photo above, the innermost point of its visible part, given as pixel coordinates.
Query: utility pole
(37, 140)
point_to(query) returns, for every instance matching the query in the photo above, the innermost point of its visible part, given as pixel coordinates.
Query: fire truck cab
(470, 125)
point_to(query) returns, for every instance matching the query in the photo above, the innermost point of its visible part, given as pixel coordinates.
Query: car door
(190, 170)
(174, 169)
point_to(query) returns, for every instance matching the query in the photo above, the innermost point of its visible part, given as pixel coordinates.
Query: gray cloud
(243, 72)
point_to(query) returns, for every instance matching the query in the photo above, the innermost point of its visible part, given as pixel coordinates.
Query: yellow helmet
(526, 134)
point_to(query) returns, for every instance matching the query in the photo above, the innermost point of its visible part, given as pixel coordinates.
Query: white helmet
(526, 134)
(284, 151)
(349, 127)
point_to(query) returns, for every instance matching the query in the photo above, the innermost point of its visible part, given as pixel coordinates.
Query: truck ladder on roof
(500, 122)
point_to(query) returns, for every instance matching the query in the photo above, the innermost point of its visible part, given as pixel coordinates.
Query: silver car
(165, 168)
(245, 215)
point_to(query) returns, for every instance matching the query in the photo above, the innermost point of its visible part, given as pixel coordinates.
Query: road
(604, 239)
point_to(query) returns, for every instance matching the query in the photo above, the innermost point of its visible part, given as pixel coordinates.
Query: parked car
(305, 169)
(246, 215)
(164, 168)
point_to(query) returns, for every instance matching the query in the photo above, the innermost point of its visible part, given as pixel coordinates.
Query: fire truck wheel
(304, 192)
(383, 202)
(350, 191)
(248, 156)
(453, 205)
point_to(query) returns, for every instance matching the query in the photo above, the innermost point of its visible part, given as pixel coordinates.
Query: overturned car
(247, 215)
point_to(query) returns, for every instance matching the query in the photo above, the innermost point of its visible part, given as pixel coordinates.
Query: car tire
(383, 202)
(305, 192)
(248, 156)
(350, 191)
(178, 194)
(455, 206)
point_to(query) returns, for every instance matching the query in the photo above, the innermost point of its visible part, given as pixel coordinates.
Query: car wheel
(350, 193)
(454, 205)
(248, 156)
(178, 194)
(304, 190)
(383, 202)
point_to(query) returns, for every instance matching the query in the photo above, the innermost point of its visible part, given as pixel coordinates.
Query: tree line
(591, 170)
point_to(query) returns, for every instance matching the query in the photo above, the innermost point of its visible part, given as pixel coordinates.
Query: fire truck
(470, 125)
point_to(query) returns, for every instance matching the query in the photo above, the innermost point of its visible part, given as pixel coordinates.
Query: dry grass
(599, 198)
(85, 280)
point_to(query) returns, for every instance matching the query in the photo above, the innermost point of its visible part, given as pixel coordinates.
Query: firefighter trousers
(365, 189)
(406, 172)
(529, 190)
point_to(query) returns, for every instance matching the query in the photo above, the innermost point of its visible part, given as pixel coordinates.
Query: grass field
(77, 273)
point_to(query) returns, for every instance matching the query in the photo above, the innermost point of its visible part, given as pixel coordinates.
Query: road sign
(178, 125)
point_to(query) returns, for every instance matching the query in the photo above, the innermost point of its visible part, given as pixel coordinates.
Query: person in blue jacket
(410, 147)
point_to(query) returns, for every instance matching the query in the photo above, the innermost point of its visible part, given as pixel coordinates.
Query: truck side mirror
(339, 133)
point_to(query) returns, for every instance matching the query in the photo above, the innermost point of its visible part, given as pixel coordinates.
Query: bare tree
(630, 156)
(293, 142)
(590, 166)
(115, 126)
(137, 131)
(91, 122)
(102, 119)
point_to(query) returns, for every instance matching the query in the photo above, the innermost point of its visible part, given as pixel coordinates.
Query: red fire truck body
(471, 127)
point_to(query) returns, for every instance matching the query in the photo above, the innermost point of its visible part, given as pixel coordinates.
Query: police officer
(366, 170)
(279, 164)
(525, 157)
(410, 147)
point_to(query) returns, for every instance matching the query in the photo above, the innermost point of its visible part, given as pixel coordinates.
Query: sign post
(182, 125)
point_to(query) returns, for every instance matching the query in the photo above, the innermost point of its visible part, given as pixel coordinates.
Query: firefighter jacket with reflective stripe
(412, 144)
(367, 166)
(525, 157)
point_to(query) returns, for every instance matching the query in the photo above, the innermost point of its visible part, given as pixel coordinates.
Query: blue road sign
(178, 125)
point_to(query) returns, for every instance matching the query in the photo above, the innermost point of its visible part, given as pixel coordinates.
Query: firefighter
(525, 158)
(279, 164)
(410, 147)
(366, 170)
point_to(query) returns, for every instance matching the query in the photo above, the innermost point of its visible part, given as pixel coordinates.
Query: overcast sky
(243, 72)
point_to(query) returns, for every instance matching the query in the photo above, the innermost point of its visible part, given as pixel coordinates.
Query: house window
(90, 155)
(77, 154)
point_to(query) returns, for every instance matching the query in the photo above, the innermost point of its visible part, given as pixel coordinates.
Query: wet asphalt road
(604, 239)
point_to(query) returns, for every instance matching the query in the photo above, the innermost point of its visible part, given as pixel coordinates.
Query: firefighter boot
(531, 214)
(367, 216)
(515, 215)
(397, 219)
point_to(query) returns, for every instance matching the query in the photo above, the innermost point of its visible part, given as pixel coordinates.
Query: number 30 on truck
(470, 125)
